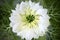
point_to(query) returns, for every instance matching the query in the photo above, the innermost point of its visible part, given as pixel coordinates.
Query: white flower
(29, 20)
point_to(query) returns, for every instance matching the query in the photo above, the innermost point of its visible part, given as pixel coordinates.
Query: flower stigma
(30, 18)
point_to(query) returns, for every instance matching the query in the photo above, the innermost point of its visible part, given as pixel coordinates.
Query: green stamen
(30, 18)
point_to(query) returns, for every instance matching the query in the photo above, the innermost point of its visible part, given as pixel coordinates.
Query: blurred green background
(53, 7)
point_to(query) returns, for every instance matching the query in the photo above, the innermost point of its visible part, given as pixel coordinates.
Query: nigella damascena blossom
(29, 20)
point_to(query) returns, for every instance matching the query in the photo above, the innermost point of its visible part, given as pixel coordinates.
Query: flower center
(30, 18)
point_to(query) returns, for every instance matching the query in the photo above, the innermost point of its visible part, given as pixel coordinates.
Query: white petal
(42, 11)
(17, 6)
